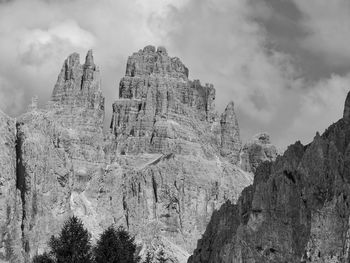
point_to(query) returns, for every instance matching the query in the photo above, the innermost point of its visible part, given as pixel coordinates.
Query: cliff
(161, 111)
(167, 163)
(10, 201)
(297, 209)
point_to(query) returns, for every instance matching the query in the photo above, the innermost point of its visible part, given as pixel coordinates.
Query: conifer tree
(149, 258)
(73, 245)
(115, 246)
(44, 258)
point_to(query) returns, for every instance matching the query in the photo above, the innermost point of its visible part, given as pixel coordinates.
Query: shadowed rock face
(297, 209)
(10, 201)
(163, 169)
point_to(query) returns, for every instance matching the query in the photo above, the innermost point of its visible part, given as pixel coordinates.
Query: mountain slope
(297, 209)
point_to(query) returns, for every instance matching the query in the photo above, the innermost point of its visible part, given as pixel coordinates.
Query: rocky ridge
(169, 161)
(297, 209)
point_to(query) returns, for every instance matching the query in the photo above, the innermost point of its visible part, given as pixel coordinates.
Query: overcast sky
(285, 63)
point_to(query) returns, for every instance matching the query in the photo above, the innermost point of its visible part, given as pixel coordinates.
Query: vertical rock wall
(60, 148)
(10, 201)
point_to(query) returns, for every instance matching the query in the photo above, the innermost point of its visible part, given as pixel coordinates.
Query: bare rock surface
(163, 169)
(297, 209)
(257, 151)
(161, 111)
(10, 205)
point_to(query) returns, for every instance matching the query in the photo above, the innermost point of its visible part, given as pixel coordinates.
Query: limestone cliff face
(60, 149)
(297, 209)
(77, 98)
(161, 111)
(230, 139)
(257, 151)
(163, 169)
(10, 201)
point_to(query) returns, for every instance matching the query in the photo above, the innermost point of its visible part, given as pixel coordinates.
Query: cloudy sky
(285, 63)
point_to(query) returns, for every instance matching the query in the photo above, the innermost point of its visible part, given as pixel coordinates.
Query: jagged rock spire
(89, 60)
(157, 100)
(230, 138)
(79, 85)
(346, 114)
(150, 60)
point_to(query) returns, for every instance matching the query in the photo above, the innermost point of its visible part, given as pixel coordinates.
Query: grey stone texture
(168, 161)
(297, 209)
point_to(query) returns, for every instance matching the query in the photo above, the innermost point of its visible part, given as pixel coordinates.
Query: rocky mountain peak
(89, 60)
(346, 115)
(230, 137)
(256, 151)
(162, 50)
(161, 110)
(229, 108)
(263, 138)
(151, 61)
(78, 87)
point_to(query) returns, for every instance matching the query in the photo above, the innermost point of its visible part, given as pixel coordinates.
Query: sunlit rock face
(60, 150)
(168, 162)
(297, 209)
(258, 150)
(161, 111)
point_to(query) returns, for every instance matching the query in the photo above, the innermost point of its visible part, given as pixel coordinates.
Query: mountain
(166, 164)
(297, 209)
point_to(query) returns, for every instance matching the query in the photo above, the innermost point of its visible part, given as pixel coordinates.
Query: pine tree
(149, 258)
(44, 258)
(115, 246)
(73, 244)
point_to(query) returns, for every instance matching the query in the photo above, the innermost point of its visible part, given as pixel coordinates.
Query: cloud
(34, 44)
(10, 98)
(224, 42)
(328, 27)
(321, 105)
(37, 46)
(226, 45)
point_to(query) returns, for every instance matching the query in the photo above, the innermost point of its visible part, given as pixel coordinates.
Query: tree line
(73, 245)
